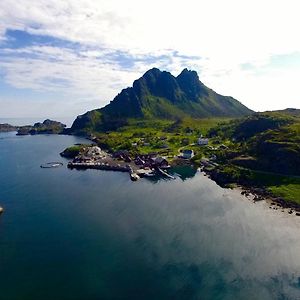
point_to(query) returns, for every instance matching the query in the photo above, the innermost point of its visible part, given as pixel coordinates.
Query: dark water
(90, 235)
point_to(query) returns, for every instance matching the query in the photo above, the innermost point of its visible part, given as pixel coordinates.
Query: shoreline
(259, 193)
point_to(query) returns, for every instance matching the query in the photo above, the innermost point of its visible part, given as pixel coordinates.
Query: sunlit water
(90, 235)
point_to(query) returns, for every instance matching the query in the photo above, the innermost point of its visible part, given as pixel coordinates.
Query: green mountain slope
(160, 95)
(268, 141)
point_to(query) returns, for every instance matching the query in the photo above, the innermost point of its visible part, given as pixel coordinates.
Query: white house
(202, 141)
(188, 154)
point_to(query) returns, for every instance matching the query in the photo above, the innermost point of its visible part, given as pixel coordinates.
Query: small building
(94, 151)
(139, 161)
(188, 154)
(202, 141)
(120, 154)
(159, 162)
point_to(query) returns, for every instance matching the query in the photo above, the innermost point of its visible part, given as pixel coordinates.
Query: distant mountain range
(160, 95)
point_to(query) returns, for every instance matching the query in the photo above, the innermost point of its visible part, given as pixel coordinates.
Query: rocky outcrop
(47, 127)
(8, 128)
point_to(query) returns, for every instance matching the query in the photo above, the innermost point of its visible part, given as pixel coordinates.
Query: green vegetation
(72, 151)
(263, 150)
(161, 136)
(287, 187)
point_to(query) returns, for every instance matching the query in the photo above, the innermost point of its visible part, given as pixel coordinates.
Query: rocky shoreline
(259, 193)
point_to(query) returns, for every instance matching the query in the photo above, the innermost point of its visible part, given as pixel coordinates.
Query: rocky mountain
(160, 95)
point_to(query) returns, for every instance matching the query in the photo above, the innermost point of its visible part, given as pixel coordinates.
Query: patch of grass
(286, 187)
(157, 135)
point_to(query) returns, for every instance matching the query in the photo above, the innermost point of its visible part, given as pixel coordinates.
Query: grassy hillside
(157, 135)
(263, 150)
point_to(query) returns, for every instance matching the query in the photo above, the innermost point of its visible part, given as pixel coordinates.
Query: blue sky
(61, 58)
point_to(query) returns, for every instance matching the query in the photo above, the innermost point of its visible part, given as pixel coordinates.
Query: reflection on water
(97, 235)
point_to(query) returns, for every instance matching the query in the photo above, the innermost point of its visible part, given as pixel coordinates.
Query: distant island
(8, 128)
(46, 127)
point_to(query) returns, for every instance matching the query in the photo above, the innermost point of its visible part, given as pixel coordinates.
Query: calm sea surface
(89, 235)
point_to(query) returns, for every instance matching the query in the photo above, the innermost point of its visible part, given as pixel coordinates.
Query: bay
(68, 234)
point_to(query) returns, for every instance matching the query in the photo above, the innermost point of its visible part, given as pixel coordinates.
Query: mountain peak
(152, 72)
(189, 82)
(158, 94)
(187, 72)
(189, 75)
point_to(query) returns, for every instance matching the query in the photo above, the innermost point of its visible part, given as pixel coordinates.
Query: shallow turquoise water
(97, 235)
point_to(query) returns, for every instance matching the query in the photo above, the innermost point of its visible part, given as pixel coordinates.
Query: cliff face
(160, 95)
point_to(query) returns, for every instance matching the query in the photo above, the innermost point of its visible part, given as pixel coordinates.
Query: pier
(98, 166)
(164, 173)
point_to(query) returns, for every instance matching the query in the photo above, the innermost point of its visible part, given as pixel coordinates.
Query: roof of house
(159, 159)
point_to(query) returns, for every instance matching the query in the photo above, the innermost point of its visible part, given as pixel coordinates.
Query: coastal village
(148, 165)
(137, 165)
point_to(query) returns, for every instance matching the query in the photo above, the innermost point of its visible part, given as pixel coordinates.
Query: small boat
(1, 210)
(134, 177)
(51, 165)
(149, 174)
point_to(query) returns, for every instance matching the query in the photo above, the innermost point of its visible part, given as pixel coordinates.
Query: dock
(98, 166)
(133, 175)
(164, 173)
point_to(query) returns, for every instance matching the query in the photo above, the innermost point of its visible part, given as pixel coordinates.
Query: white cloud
(225, 34)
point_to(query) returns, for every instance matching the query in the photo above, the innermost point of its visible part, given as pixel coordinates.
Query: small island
(46, 127)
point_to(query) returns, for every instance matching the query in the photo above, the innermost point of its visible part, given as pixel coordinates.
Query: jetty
(133, 175)
(164, 173)
(99, 166)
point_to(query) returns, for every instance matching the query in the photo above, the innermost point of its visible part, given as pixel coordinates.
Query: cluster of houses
(150, 160)
(90, 154)
(188, 153)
